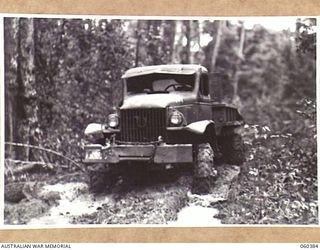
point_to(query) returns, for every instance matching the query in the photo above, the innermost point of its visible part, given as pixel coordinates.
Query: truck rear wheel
(205, 173)
(233, 149)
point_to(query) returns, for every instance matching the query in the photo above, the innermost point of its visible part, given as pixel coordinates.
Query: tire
(101, 181)
(233, 149)
(205, 173)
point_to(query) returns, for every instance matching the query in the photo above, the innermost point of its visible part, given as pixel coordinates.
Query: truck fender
(199, 127)
(94, 128)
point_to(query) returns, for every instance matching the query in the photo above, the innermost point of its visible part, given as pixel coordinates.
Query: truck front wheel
(233, 149)
(101, 181)
(205, 173)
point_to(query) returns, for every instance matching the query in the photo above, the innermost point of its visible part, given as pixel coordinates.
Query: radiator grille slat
(142, 125)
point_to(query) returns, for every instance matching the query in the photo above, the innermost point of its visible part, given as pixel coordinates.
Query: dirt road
(156, 202)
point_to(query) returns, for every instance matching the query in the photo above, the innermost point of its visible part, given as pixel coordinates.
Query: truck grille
(142, 125)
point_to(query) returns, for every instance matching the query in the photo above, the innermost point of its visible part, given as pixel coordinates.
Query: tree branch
(45, 149)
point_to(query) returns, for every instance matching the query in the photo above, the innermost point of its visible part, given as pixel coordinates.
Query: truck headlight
(176, 118)
(113, 120)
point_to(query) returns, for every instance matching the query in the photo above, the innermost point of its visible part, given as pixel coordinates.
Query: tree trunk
(179, 34)
(215, 53)
(10, 56)
(185, 58)
(235, 98)
(195, 47)
(172, 39)
(138, 37)
(167, 35)
(141, 35)
(26, 96)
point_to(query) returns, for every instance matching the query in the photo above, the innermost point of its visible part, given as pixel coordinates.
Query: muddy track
(163, 198)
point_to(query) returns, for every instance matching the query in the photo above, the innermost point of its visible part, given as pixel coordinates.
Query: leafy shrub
(278, 183)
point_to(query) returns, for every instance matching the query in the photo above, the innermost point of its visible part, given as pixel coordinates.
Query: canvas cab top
(185, 69)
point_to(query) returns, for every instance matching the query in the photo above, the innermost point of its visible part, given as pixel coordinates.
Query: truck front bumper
(163, 153)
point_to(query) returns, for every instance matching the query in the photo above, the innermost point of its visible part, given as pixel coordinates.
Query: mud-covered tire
(101, 181)
(97, 182)
(205, 173)
(233, 149)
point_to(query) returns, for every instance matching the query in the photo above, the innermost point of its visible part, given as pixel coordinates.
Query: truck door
(204, 98)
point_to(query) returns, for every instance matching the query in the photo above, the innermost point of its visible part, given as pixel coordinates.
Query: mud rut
(158, 199)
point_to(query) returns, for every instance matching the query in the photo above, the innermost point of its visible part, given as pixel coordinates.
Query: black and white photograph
(171, 121)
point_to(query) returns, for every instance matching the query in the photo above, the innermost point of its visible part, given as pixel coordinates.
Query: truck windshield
(160, 83)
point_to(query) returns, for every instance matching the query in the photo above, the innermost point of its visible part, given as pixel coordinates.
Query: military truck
(167, 117)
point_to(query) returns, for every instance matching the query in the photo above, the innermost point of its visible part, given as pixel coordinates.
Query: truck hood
(152, 101)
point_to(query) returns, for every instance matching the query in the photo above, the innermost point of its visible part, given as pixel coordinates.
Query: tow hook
(113, 139)
(107, 144)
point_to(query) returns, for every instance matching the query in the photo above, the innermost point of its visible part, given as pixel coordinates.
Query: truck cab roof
(185, 69)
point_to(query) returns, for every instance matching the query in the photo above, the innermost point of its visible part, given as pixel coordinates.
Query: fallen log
(13, 192)
(18, 166)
